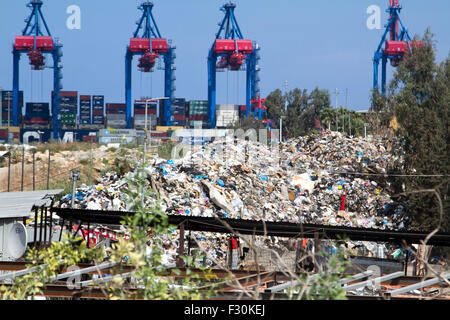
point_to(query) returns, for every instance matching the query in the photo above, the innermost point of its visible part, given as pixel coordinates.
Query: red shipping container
(89, 139)
(142, 45)
(116, 106)
(179, 117)
(3, 133)
(228, 45)
(36, 120)
(97, 112)
(67, 93)
(159, 134)
(84, 97)
(7, 104)
(142, 111)
(115, 111)
(198, 118)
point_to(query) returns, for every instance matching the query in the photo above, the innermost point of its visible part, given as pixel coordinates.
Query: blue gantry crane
(395, 48)
(150, 45)
(35, 43)
(233, 51)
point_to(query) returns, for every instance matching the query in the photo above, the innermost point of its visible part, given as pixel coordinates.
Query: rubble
(325, 178)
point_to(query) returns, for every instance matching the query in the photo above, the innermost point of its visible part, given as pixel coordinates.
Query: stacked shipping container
(98, 104)
(139, 115)
(116, 115)
(6, 106)
(226, 114)
(37, 113)
(178, 112)
(198, 112)
(85, 109)
(68, 107)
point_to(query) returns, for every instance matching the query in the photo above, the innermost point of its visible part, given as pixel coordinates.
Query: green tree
(275, 103)
(419, 98)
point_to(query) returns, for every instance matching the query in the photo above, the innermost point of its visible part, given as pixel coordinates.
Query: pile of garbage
(325, 178)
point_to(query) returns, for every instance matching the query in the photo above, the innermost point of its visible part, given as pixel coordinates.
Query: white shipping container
(116, 116)
(227, 113)
(228, 107)
(116, 122)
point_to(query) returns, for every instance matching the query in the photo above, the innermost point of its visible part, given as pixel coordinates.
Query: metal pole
(62, 228)
(87, 237)
(73, 193)
(346, 105)
(51, 227)
(337, 93)
(145, 130)
(349, 123)
(45, 227)
(48, 170)
(40, 231)
(23, 165)
(9, 112)
(35, 225)
(9, 168)
(281, 129)
(34, 169)
(316, 251)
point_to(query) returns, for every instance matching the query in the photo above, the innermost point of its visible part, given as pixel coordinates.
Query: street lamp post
(337, 121)
(145, 125)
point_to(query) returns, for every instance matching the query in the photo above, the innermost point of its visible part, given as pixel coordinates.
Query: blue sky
(308, 43)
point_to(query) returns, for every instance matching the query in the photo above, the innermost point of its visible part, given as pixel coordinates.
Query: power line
(390, 175)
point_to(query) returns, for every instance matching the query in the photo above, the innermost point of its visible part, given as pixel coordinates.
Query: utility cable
(390, 175)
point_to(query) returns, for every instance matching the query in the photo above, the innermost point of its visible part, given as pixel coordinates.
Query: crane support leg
(212, 89)
(128, 61)
(376, 62)
(15, 111)
(383, 75)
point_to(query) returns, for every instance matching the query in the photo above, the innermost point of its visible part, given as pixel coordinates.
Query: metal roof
(19, 204)
(3, 153)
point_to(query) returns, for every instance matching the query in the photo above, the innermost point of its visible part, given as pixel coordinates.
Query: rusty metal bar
(419, 285)
(379, 280)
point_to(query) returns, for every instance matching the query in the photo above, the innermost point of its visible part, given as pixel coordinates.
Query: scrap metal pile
(325, 178)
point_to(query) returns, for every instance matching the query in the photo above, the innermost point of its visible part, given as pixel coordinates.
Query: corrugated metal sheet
(20, 204)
